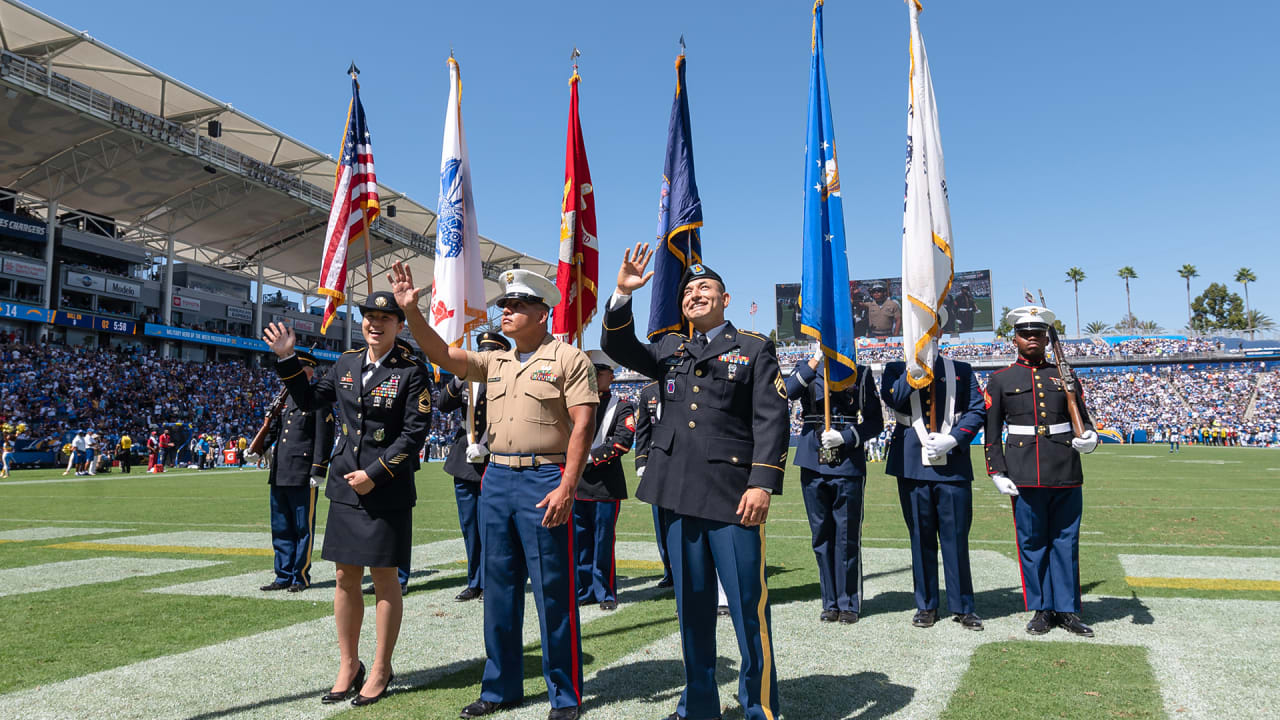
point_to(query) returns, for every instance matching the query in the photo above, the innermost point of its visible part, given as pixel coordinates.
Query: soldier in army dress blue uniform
(1039, 467)
(716, 458)
(648, 411)
(601, 492)
(383, 405)
(468, 458)
(299, 462)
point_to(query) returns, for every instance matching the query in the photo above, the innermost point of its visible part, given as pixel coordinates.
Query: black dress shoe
(925, 618)
(969, 621)
(330, 698)
(404, 589)
(1041, 623)
(848, 617)
(1071, 623)
(722, 610)
(586, 601)
(481, 708)
(362, 700)
(369, 590)
(829, 615)
(607, 605)
(468, 594)
(666, 582)
(564, 713)
(297, 587)
(277, 585)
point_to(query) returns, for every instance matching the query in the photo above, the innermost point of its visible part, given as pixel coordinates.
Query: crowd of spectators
(1166, 346)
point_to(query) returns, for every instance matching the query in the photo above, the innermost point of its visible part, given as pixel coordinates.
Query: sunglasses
(1032, 333)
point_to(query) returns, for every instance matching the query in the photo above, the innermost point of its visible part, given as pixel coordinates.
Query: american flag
(754, 308)
(355, 205)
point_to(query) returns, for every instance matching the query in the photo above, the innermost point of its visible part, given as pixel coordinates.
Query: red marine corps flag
(578, 270)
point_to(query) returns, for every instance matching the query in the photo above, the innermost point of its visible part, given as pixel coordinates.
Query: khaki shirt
(529, 404)
(883, 319)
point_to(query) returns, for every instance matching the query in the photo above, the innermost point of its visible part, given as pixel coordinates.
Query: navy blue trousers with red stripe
(595, 524)
(1047, 523)
(517, 548)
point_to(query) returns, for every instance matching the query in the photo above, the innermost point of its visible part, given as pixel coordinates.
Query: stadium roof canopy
(88, 126)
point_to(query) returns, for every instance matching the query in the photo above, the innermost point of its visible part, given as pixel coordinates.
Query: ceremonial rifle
(1068, 377)
(258, 446)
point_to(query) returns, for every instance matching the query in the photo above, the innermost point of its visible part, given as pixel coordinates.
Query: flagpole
(364, 213)
(471, 403)
(578, 301)
(826, 392)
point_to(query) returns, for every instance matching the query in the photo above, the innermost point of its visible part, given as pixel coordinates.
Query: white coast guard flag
(457, 295)
(928, 260)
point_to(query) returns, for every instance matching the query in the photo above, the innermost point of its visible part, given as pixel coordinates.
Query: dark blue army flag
(825, 311)
(679, 244)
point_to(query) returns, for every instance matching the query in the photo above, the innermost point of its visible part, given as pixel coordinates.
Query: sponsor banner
(124, 288)
(22, 269)
(20, 227)
(208, 338)
(239, 313)
(186, 303)
(77, 280)
(18, 311)
(304, 325)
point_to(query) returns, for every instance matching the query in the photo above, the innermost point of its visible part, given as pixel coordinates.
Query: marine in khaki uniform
(542, 399)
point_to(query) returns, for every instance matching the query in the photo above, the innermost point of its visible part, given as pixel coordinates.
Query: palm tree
(1127, 273)
(1187, 272)
(1075, 276)
(1260, 321)
(1244, 276)
(1097, 327)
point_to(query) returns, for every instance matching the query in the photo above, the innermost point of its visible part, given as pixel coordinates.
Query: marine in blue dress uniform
(833, 483)
(716, 458)
(648, 411)
(542, 399)
(935, 481)
(300, 459)
(468, 458)
(1038, 465)
(382, 398)
(601, 492)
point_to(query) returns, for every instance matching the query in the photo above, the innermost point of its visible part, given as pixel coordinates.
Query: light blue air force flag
(825, 311)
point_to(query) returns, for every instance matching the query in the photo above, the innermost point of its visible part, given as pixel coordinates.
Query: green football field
(135, 596)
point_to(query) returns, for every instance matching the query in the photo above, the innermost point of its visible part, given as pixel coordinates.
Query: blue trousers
(834, 506)
(595, 524)
(660, 531)
(939, 513)
(468, 496)
(293, 525)
(698, 549)
(1047, 522)
(517, 548)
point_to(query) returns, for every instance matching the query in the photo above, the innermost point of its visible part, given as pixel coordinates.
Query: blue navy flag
(679, 243)
(825, 311)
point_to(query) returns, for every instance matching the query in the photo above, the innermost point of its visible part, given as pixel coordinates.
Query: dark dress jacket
(1032, 397)
(904, 448)
(724, 426)
(603, 478)
(855, 409)
(453, 396)
(382, 424)
(303, 441)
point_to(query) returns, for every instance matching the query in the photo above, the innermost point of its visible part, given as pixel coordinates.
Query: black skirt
(371, 538)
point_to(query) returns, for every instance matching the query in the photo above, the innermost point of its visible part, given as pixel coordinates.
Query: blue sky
(1097, 134)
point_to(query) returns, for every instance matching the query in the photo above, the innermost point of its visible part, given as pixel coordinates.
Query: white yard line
(1202, 566)
(70, 573)
(49, 533)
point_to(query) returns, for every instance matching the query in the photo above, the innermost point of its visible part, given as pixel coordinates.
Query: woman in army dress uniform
(383, 401)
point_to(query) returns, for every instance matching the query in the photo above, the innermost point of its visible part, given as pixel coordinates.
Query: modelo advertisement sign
(103, 284)
(22, 269)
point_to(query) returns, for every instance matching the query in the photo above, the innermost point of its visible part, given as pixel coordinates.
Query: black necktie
(699, 341)
(368, 367)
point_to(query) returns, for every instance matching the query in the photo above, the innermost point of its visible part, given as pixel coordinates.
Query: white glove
(939, 444)
(832, 439)
(1086, 443)
(476, 452)
(639, 473)
(1004, 484)
(251, 456)
(315, 481)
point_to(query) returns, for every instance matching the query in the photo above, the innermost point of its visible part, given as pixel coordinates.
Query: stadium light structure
(215, 129)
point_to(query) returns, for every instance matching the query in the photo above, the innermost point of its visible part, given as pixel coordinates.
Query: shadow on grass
(867, 695)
